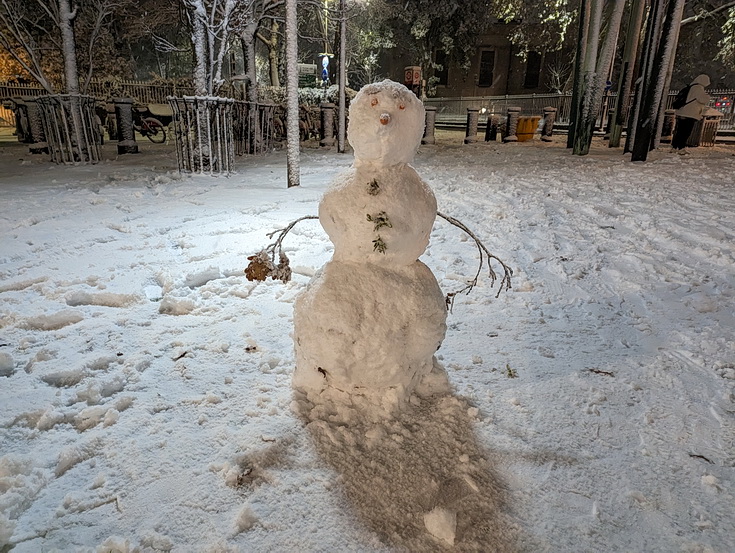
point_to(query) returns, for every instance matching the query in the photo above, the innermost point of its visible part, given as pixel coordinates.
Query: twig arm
(277, 246)
(505, 282)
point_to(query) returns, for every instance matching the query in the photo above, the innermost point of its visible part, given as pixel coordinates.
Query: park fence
(253, 127)
(70, 128)
(209, 131)
(105, 89)
(453, 110)
(203, 131)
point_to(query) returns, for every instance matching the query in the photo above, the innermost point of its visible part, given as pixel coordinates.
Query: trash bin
(527, 126)
(704, 132)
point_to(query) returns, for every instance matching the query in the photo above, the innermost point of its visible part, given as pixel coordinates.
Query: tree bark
(342, 80)
(585, 124)
(575, 110)
(66, 26)
(604, 64)
(653, 31)
(247, 43)
(653, 88)
(671, 53)
(625, 80)
(292, 94)
(199, 43)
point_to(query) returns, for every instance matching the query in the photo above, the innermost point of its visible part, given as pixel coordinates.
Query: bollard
(38, 144)
(327, 123)
(429, 126)
(472, 116)
(549, 118)
(125, 130)
(667, 132)
(609, 125)
(512, 124)
(491, 131)
(22, 126)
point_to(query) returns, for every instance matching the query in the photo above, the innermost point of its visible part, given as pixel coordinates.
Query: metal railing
(104, 90)
(203, 129)
(253, 127)
(70, 127)
(455, 109)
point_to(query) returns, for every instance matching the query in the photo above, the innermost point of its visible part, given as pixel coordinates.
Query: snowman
(368, 324)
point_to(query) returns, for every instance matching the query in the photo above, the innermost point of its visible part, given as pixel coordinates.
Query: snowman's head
(386, 123)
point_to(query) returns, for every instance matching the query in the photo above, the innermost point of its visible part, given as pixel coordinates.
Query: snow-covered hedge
(308, 96)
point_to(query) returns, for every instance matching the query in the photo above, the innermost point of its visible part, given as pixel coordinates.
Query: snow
(591, 405)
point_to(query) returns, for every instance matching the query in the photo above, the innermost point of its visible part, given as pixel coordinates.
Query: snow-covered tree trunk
(653, 92)
(674, 41)
(603, 65)
(292, 94)
(583, 128)
(199, 44)
(342, 113)
(625, 79)
(210, 32)
(247, 42)
(653, 31)
(66, 19)
(575, 111)
(220, 44)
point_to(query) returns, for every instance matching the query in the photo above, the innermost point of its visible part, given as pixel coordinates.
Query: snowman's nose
(384, 118)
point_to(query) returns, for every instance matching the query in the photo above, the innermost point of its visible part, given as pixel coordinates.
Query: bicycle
(150, 127)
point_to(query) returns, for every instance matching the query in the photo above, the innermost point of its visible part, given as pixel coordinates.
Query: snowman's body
(370, 321)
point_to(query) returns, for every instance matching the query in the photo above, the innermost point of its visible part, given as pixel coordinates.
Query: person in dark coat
(697, 101)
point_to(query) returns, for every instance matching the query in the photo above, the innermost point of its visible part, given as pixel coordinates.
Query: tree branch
(278, 244)
(505, 282)
(261, 265)
(703, 15)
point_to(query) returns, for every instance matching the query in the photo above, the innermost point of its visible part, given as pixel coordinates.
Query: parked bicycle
(150, 127)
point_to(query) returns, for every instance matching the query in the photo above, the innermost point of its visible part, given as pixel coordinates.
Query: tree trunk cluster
(651, 61)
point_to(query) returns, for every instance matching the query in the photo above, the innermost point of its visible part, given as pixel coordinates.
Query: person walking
(690, 104)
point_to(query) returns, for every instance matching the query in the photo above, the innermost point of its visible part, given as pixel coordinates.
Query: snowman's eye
(374, 102)
(401, 106)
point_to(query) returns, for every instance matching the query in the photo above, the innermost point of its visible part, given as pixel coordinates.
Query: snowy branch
(16, 39)
(103, 9)
(705, 14)
(505, 283)
(263, 265)
(278, 244)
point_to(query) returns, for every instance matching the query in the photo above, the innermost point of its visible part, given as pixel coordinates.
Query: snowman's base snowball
(367, 332)
(343, 408)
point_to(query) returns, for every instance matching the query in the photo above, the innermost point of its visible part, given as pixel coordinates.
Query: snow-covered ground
(145, 400)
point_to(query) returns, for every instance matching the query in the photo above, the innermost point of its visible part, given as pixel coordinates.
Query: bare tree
(27, 27)
(252, 17)
(103, 10)
(21, 34)
(211, 25)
